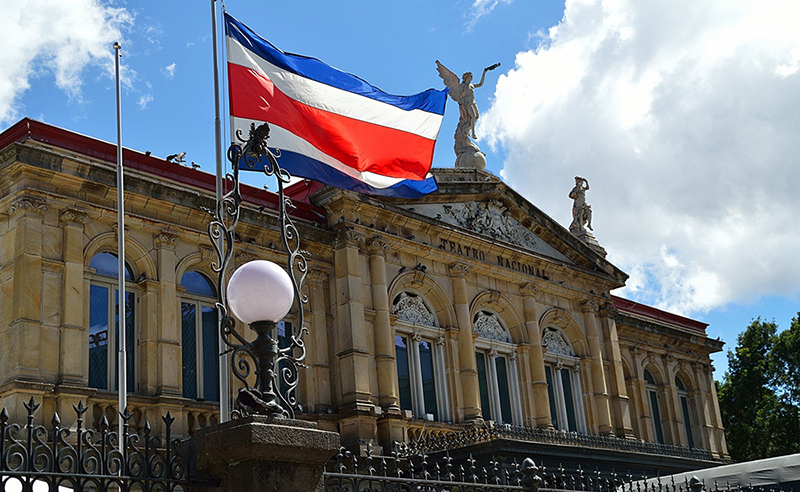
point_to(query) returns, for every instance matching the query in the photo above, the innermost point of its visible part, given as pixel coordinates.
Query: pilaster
(590, 309)
(466, 344)
(384, 338)
(620, 408)
(536, 380)
(73, 335)
(167, 336)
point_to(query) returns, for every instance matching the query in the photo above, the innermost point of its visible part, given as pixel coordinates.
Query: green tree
(760, 394)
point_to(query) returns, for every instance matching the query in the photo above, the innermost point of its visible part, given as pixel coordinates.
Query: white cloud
(481, 8)
(146, 98)
(55, 37)
(685, 117)
(169, 70)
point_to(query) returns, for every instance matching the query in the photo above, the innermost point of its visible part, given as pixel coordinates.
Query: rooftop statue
(467, 152)
(581, 211)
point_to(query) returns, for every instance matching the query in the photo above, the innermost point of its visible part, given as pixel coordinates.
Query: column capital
(530, 290)
(589, 306)
(458, 270)
(74, 216)
(167, 240)
(348, 236)
(378, 246)
(243, 257)
(33, 205)
(608, 310)
(207, 253)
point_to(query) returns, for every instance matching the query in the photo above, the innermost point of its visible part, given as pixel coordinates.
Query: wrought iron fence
(424, 473)
(486, 433)
(51, 457)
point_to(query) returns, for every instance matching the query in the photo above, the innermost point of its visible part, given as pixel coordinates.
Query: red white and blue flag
(331, 126)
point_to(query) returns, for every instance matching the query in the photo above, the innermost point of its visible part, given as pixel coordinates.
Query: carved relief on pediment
(411, 308)
(492, 219)
(488, 326)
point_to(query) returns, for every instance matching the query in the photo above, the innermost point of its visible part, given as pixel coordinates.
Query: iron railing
(51, 457)
(475, 435)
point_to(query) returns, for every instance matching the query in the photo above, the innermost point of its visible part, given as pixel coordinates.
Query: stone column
(26, 214)
(672, 406)
(319, 352)
(384, 337)
(719, 429)
(166, 341)
(601, 399)
(354, 355)
(538, 380)
(260, 453)
(619, 394)
(466, 344)
(73, 336)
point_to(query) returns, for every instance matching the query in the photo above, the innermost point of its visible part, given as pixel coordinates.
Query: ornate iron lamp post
(260, 293)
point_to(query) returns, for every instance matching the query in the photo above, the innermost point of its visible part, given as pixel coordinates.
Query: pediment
(490, 218)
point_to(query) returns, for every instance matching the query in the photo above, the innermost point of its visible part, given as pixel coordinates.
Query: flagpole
(122, 367)
(224, 392)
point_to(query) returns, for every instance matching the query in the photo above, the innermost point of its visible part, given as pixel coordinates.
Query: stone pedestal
(265, 454)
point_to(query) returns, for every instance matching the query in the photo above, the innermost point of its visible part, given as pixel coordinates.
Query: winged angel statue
(467, 152)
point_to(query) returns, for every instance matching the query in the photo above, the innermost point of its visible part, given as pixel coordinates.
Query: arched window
(655, 409)
(419, 353)
(199, 340)
(562, 371)
(683, 398)
(496, 361)
(103, 300)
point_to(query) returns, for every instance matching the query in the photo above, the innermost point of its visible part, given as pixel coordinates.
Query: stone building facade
(465, 306)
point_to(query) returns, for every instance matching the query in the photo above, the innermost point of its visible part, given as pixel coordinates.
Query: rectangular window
(687, 422)
(502, 389)
(189, 349)
(656, 415)
(551, 396)
(428, 383)
(403, 375)
(569, 400)
(210, 354)
(483, 387)
(98, 337)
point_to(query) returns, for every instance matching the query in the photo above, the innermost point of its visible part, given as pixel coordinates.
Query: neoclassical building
(467, 306)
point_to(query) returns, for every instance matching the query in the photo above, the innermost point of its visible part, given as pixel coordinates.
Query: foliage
(759, 396)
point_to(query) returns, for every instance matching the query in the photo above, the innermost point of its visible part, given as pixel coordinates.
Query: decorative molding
(590, 306)
(493, 353)
(416, 337)
(166, 239)
(207, 253)
(243, 257)
(487, 325)
(491, 218)
(377, 245)
(74, 216)
(440, 341)
(459, 270)
(411, 308)
(347, 236)
(608, 310)
(494, 296)
(530, 290)
(512, 356)
(28, 203)
(553, 342)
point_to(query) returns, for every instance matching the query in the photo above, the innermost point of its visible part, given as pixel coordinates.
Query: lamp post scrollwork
(275, 368)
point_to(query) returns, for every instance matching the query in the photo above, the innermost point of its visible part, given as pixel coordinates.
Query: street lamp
(259, 293)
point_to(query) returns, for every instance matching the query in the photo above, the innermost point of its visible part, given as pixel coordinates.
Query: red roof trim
(58, 137)
(646, 311)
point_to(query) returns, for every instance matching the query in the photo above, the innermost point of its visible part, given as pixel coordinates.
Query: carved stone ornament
(553, 343)
(411, 308)
(207, 253)
(590, 306)
(167, 239)
(28, 203)
(491, 219)
(530, 290)
(349, 236)
(459, 270)
(74, 216)
(609, 311)
(488, 326)
(243, 257)
(379, 246)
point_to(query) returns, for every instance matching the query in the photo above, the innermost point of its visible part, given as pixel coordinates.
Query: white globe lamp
(260, 290)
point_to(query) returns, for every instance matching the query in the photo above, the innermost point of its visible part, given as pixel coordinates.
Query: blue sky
(683, 119)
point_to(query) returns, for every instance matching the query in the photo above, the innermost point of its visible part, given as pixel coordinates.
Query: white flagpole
(224, 391)
(122, 368)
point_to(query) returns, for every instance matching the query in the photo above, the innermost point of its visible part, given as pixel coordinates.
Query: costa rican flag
(331, 126)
